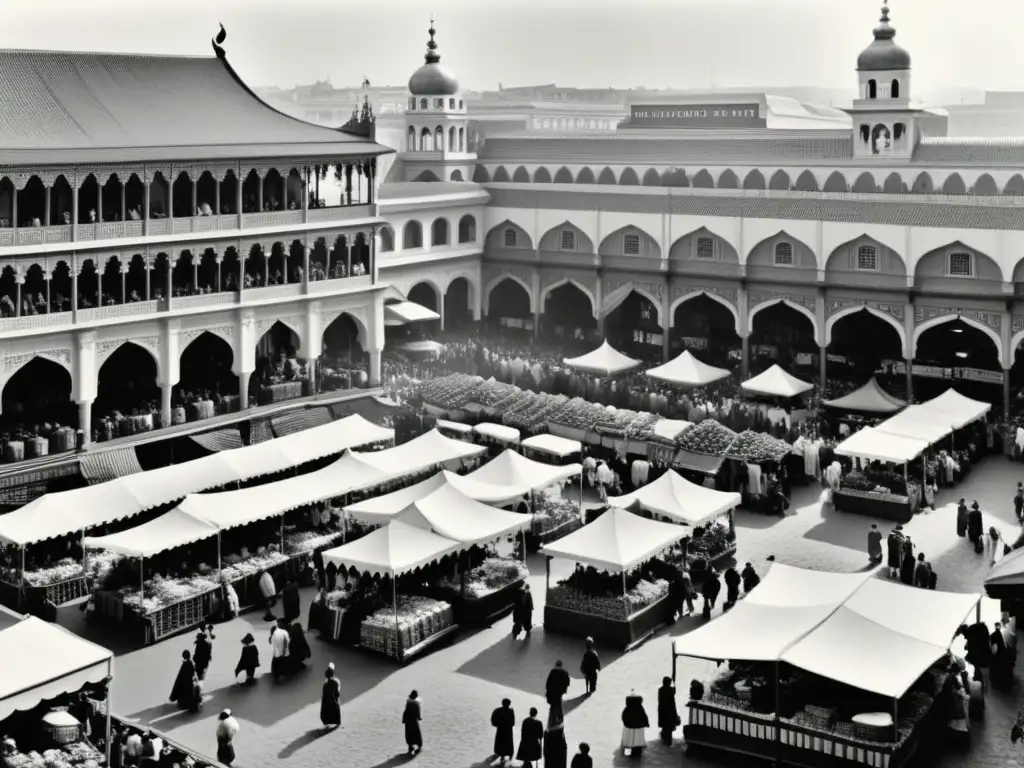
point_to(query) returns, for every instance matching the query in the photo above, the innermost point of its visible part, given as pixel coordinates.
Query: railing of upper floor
(69, 206)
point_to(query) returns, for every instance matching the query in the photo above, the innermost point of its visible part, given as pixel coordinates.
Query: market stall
(873, 491)
(701, 449)
(687, 371)
(780, 388)
(603, 361)
(674, 499)
(825, 669)
(497, 433)
(869, 399)
(621, 595)
(431, 449)
(455, 429)
(45, 668)
(410, 625)
(551, 446)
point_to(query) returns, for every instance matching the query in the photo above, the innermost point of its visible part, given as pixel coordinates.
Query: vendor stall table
(59, 593)
(481, 611)
(620, 633)
(885, 506)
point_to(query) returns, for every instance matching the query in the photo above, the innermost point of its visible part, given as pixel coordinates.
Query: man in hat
(227, 729)
(894, 547)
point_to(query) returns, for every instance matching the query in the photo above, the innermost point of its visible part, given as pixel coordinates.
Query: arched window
(387, 240)
(865, 132)
(452, 144)
(510, 238)
(451, 103)
(439, 232)
(462, 139)
(412, 103)
(898, 131)
(412, 139)
(467, 229)
(867, 258)
(872, 89)
(894, 89)
(423, 103)
(412, 235)
(439, 139)
(881, 139)
(783, 254)
(425, 141)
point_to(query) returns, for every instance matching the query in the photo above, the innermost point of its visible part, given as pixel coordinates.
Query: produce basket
(61, 727)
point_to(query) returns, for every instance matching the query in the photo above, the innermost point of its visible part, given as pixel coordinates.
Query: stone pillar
(305, 268)
(74, 290)
(666, 347)
(219, 258)
(124, 203)
(536, 323)
(85, 421)
(100, 269)
(123, 269)
(823, 371)
(348, 258)
(216, 198)
(145, 212)
(195, 195)
(99, 205)
(18, 280)
(47, 221)
(148, 268)
(1006, 398)
(195, 271)
(165, 404)
(259, 197)
(311, 365)
(375, 367)
(745, 365)
(243, 391)
(74, 210)
(169, 288)
(910, 381)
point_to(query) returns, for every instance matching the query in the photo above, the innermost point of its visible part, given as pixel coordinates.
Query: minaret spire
(432, 57)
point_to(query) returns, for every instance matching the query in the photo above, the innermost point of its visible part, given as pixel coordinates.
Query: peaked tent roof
(605, 361)
(172, 529)
(688, 371)
(677, 498)
(916, 422)
(1008, 572)
(870, 398)
(616, 541)
(394, 549)
(775, 382)
(64, 107)
(455, 516)
(513, 470)
(875, 445)
(428, 450)
(955, 409)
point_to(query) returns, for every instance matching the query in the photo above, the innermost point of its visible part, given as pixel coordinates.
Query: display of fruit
(577, 414)
(709, 437)
(617, 608)
(449, 392)
(642, 427)
(755, 447)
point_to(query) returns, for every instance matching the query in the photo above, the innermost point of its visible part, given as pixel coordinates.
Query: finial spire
(884, 31)
(432, 57)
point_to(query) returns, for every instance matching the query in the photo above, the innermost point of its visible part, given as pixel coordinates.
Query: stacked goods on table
(755, 447)
(532, 414)
(709, 438)
(418, 619)
(554, 515)
(298, 542)
(617, 422)
(608, 606)
(577, 414)
(492, 575)
(77, 753)
(235, 567)
(62, 570)
(161, 592)
(450, 392)
(497, 396)
(642, 427)
(714, 541)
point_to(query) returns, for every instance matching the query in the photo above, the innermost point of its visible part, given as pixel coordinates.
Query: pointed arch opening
(651, 178)
(780, 181)
(521, 176)
(703, 179)
(862, 340)
(754, 180)
(36, 400)
(542, 176)
(126, 383)
(563, 176)
(480, 175)
(343, 358)
(781, 333)
(676, 177)
(456, 175)
(206, 375)
(630, 241)
(954, 185)
(923, 184)
(467, 229)
(956, 342)
(279, 374)
(985, 186)
(501, 175)
(568, 312)
(629, 178)
(1015, 186)
(458, 304)
(865, 184)
(806, 182)
(426, 176)
(894, 185)
(508, 235)
(706, 327)
(835, 182)
(607, 177)
(728, 180)
(632, 323)
(508, 305)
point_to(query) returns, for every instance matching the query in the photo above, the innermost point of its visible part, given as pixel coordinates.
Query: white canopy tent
(874, 445)
(404, 312)
(955, 409)
(870, 398)
(687, 371)
(43, 661)
(1008, 572)
(553, 445)
(678, 499)
(775, 382)
(603, 361)
(395, 549)
(454, 426)
(498, 432)
(512, 470)
(616, 541)
(431, 449)
(915, 422)
(449, 513)
(172, 529)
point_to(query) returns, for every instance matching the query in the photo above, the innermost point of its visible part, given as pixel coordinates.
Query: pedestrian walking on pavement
(750, 578)
(186, 692)
(291, 604)
(582, 759)
(556, 687)
(531, 740)
(411, 717)
(732, 586)
(249, 660)
(503, 720)
(634, 725)
(227, 729)
(961, 519)
(522, 612)
(590, 666)
(279, 640)
(922, 572)
(203, 654)
(1018, 503)
(975, 528)
(556, 751)
(874, 545)
(709, 589)
(298, 648)
(268, 591)
(668, 711)
(907, 563)
(686, 593)
(894, 545)
(330, 700)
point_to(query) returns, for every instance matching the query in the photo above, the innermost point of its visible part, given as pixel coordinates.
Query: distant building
(324, 104)
(1001, 114)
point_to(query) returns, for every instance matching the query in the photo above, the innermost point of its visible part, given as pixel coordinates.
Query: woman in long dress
(249, 660)
(298, 647)
(330, 699)
(531, 739)
(227, 729)
(556, 751)
(634, 725)
(203, 655)
(411, 717)
(185, 692)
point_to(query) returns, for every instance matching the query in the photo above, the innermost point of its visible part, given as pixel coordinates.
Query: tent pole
(282, 534)
(623, 583)
(220, 566)
(110, 694)
(896, 719)
(21, 582)
(673, 664)
(778, 714)
(522, 539)
(85, 557)
(547, 576)
(394, 602)
(583, 516)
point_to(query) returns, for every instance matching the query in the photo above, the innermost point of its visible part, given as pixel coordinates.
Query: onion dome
(432, 79)
(883, 54)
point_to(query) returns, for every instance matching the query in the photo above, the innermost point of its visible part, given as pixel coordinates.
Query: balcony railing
(635, 263)
(132, 309)
(114, 230)
(271, 292)
(569, 259)
(708, 267)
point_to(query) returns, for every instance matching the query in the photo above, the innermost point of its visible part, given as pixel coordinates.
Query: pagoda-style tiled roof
(60, 107)
(948, 215)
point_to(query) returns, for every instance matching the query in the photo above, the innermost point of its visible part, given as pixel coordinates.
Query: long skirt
(413, 735)
(226, 752)
(634, 737)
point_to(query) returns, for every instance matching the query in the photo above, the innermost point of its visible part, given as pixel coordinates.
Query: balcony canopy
(955, 409)
(62, 107)
(395, 549)
(874, 445)
(405, 312)
(616, 541)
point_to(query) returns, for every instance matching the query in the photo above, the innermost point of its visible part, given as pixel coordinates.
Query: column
(47, 221)
(217, 257)
(74, 212)
(48, 277)
(124, 204)
(1006, 402)
(823, 370)
(195, 195)
(285, 253)
(375, 367)
(100, 269)
(148, 266)
(311, 365)
(170, 203)
(666, 349)
(170, 281)
(305, 268)
(74, 290)
(85, 422)
(165, 404)
(745, 366)
(18, 280)
(348, 258)
(195, 271)
(216, 196)
(259, 193)
(99, 206)
(910, 381)
(124, 277)
(145, 206)
(284, 192)
(536, 322)
(440, 311)
(304, 182)
(243, 390)
(348, 184)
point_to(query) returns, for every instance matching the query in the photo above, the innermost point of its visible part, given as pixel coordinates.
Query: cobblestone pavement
(461, 684)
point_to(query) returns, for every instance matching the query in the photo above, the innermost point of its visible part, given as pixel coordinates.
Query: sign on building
(685, 116)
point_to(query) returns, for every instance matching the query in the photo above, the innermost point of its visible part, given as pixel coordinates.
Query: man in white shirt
(279, 643)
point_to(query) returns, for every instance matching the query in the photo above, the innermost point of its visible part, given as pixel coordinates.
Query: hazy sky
(592, 43)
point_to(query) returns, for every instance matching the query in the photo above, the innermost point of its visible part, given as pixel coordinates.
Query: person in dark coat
(331, 572)
(709, 589)
(590, 666)
(1000, 655)
(685, 593)
(582, 759)
(907, 562)
(1018, 503)
(411, 719)
(975, 527)
(979, 649)
(961, 519)
(185, 692)
(556, 686)
(874, 544)
(298, 647)
(503, 720)
(922, 572)
(732, 586)
(668, 712)
(531, 740)
(634, 725)
(330, 699)
(203, 654)
(750, 578)
(894, 545)
(290, 602)
(321, 572)
(522, 612)
(556, 751)
(249, 660)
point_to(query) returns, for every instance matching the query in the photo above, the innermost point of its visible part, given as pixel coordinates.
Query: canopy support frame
(21, 581)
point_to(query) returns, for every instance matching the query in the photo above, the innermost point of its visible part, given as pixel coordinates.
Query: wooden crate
(179, 616)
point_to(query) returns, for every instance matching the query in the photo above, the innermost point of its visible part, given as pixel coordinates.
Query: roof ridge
(123, 54)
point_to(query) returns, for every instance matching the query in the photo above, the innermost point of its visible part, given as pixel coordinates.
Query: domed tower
(884, 123)
(436, 126)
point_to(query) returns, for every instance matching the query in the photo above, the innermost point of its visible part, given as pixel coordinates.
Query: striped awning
(108, 465)
(299, 420)
(226, 439)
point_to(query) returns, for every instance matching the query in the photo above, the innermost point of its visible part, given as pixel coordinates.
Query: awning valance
(498, 432)
(513, 470)
(553, 445)
(455, 516)
(955, 409)
(169, 531)
(428, 450)
(395, 549)
(874, 445)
